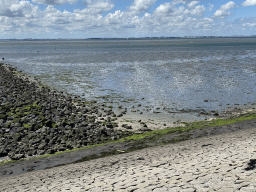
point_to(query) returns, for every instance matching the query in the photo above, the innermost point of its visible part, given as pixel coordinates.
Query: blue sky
(129, 18)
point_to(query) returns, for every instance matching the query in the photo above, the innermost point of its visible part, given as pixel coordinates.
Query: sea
(172, 76)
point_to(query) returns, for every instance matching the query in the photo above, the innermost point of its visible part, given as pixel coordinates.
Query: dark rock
(109, 125)
(40, 152)
(144, 129)
(251, 165)
(14, 156)
(3, 152)
(50, 151)
(41, 146)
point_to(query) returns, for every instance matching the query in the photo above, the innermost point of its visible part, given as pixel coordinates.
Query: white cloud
(192, 4)
(168, 19)
(100, 5)
(164, 9)
(198, 10)
(227, 6)
(96, 7)
(223, 10)
(14, 8)
(139, 6)
(176, 2)
(210, 6)
(54, 2)
(7, 3)
(249, 3)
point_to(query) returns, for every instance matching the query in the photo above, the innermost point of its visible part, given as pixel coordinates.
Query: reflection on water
(172, 74)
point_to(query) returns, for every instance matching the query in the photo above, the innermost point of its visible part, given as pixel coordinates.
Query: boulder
(14, 156)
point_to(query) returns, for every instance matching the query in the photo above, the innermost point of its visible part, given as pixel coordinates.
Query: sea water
(188, 74)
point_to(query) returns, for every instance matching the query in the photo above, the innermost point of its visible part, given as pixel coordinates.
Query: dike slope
(35, 120)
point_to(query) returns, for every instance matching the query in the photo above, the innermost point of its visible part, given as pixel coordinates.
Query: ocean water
(174, 74)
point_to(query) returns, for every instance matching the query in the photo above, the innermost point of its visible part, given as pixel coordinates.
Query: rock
(145, 129)
(109, 125)
(37, 140)
(127, 126)
(7, 130)
(41, 146)
(14, 156)
(40, 152)
(50, 151)
(3, 152)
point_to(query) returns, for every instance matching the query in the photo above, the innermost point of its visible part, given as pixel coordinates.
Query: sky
(76, 19)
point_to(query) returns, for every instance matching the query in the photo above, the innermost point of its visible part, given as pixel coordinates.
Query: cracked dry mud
(211, 163)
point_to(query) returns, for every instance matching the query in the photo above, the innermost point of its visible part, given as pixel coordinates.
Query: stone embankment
(35, 120)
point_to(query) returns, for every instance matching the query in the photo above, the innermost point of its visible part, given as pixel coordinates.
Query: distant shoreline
(133, 38)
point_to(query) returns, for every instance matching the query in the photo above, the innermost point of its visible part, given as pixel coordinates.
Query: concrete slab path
(213, 163)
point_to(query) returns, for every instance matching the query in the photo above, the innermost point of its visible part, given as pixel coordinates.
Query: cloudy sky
(125, 18)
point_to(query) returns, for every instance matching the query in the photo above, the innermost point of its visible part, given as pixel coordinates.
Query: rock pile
(35, 120)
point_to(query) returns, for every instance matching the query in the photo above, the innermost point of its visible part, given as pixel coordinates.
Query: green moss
(38, 126)
(42, 118)
(18, 114)
(38, 112)
(27, 113)
(20, 104)
(54, 125)
(2, 116)
(27, 108)
(34, 105)
(26, 125)
(17, 110)
(8, 124)
(10, 114)
(16, 120)
(110, 106)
